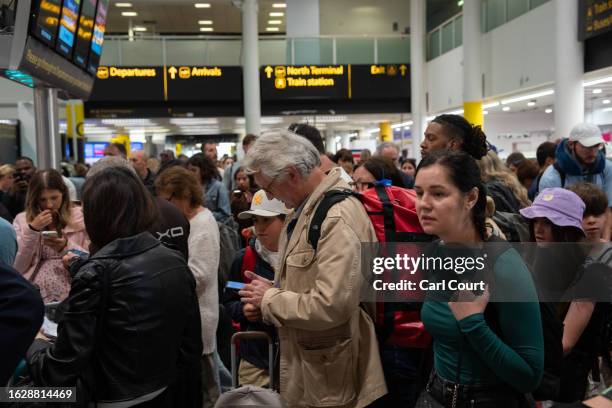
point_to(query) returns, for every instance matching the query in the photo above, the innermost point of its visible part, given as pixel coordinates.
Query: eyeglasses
(268, 188)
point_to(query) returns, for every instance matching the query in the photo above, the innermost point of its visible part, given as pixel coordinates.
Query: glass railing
(449, 35)
(273, 50)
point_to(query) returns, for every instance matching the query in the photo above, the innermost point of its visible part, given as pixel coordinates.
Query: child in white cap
(259, 257)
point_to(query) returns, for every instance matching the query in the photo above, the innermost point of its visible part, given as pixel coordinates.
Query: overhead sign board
(56, 43)
(170, 83)
(199, 90)
(595, 18)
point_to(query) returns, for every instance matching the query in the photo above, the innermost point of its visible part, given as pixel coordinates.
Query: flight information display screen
(84, 33)
(68, 27)
(45, 20)
(98, 37)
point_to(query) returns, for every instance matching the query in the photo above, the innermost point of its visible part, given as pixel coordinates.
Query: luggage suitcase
(250, 396)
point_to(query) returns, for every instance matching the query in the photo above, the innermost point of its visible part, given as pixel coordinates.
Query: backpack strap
(248, 263)
(557, 167)
(388, 215)
(330, 198)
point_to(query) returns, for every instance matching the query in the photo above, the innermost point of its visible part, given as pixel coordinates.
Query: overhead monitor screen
(45, 16)
(98, 37)
(84, 33)
(68, 27)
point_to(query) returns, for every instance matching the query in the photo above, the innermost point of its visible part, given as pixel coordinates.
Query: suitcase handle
(251, 335)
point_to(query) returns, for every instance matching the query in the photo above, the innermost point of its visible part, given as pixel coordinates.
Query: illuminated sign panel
(307, 81)
(45, 20)
(97, 40)
(68, 27)
(595, 18)
(173, 83)
(84, 33)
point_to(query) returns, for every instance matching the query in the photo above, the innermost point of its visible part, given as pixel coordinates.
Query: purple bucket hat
(561, 207)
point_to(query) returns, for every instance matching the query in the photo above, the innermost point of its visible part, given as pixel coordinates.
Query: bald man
(138, 160)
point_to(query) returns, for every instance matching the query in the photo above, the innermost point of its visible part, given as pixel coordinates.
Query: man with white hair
(329, 352)
(391, 151)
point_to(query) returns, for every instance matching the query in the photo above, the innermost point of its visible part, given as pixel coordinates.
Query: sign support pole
(250, 67)
(46, 117)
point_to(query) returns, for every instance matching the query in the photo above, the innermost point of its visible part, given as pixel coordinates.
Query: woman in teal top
(474, 364)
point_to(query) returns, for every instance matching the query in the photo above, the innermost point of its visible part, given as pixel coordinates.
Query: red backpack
(393, 214)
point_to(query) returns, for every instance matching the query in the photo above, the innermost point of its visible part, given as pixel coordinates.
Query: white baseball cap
(264, 207)
(586, 134)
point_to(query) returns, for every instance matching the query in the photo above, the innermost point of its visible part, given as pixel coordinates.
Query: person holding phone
(48, 228)
(260, 258)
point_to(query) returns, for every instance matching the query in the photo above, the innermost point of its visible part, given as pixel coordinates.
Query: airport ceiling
(182, 17)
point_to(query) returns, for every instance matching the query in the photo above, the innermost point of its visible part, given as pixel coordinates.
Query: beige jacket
(328, 350)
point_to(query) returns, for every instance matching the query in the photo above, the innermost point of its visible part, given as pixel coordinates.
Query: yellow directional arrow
(172, 71)
(269, 71)
(403, 69)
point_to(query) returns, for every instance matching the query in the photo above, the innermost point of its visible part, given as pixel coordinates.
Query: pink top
(51, 276)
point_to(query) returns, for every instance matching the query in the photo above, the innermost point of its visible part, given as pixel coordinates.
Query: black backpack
(552, 328)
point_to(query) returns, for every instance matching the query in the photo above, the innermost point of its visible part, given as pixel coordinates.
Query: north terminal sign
(595, 18)
(335, 82)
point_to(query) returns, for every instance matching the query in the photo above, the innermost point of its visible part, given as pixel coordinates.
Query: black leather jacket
(149, 337)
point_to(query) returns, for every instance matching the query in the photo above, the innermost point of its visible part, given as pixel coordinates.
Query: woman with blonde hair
(49, 227)
(502, 185)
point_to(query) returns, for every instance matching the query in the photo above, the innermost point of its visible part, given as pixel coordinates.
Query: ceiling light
(140, 29)
(403, 124)
(205, 22)
(275, 22)
(598, 81)
(531, 103)
(506, 108)
(123, 5)
(206, 29)
(456, 112)
(528, 97)
(490, 105)
(607, 110)
(272, 29)
(548, 110)
(485, 112)
(276, 14)
(202, 5)
(279, 5)
(129, 13)
(596, 91)
(606, 101)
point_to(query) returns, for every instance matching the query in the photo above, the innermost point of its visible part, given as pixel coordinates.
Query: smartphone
(50, 234)
(80, 254)
(235, 285)
(237, 192)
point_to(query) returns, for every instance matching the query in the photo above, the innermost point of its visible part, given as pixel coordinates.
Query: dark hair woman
(49, 227)
(242, 196)
(373, 170)
(215, 195)
(130, 330)
(453, 132)
(481, 366)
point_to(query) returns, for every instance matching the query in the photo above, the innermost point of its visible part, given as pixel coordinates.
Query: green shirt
(518, 360)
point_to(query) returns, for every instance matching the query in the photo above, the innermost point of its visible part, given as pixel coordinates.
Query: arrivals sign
(170, 83)
(595, 18)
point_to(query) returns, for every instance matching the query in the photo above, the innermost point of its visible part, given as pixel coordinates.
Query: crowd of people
(148, 266)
